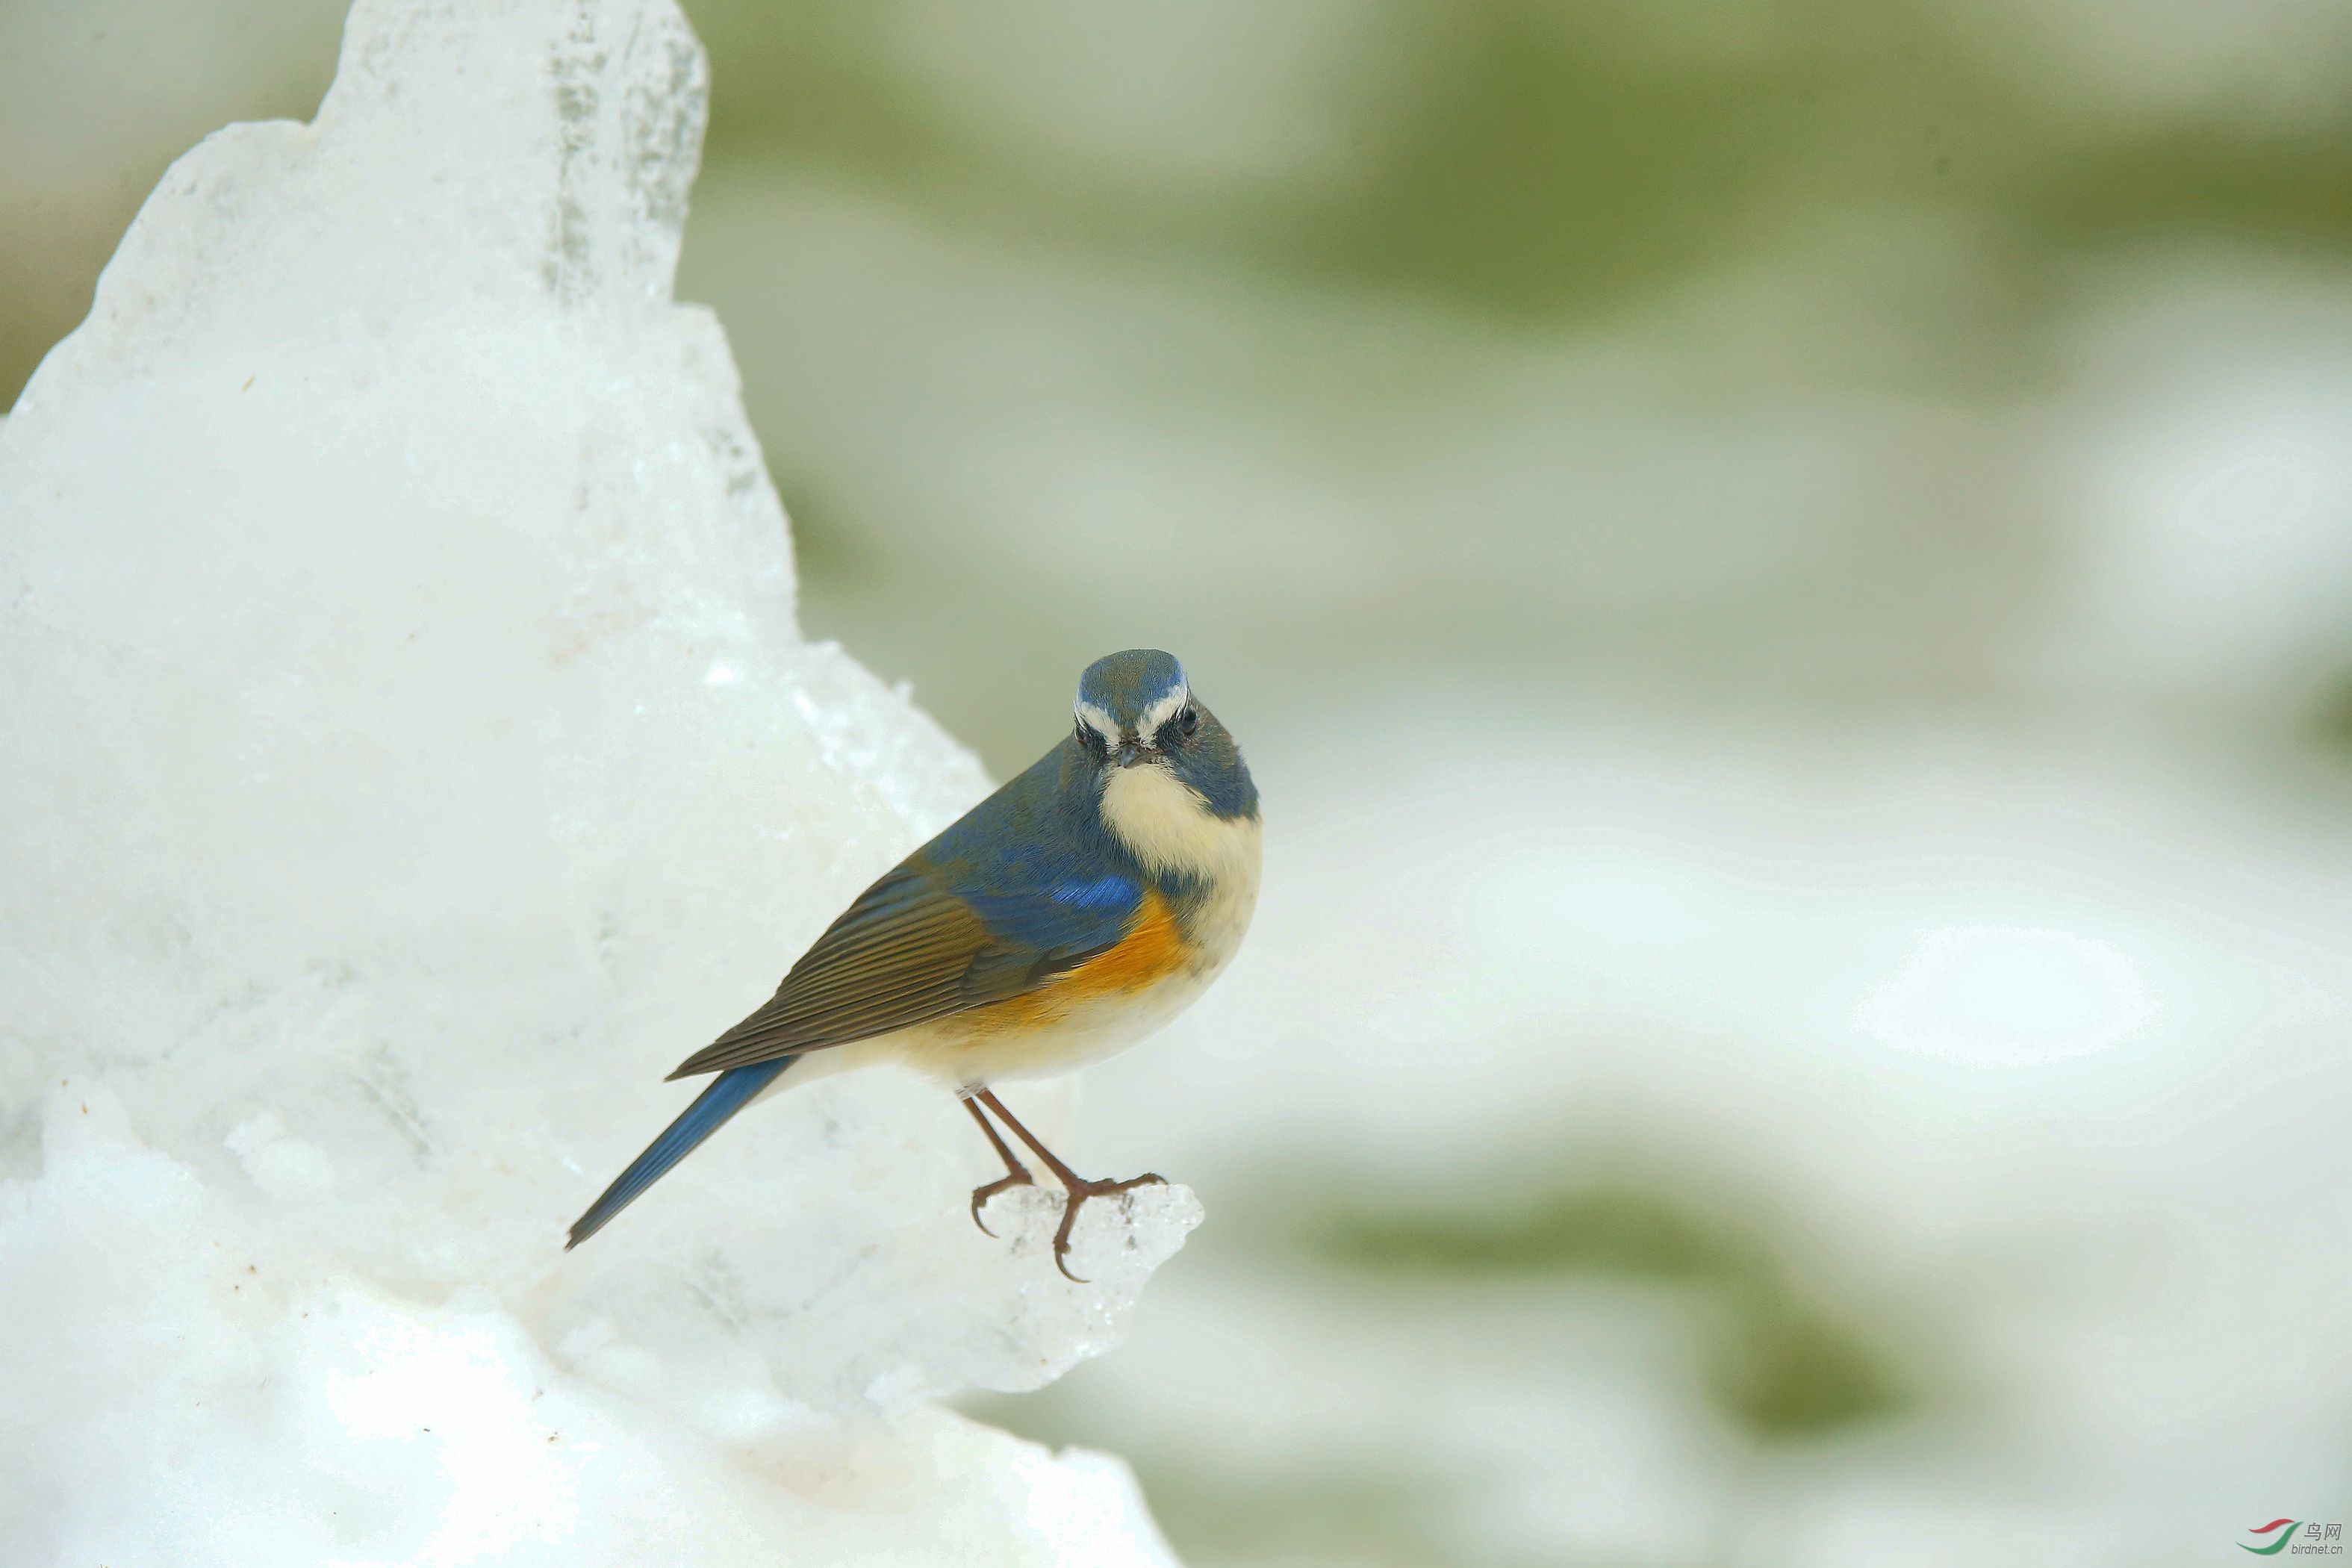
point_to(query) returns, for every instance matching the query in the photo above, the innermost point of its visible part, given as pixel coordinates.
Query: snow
(409, 754)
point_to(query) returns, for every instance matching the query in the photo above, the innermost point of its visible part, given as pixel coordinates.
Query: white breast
(1222, 918)
(1170, 828)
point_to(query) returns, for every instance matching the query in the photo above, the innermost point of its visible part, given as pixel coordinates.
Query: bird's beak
(1133, 751)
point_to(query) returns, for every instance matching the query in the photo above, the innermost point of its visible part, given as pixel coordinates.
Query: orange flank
(1153, 949)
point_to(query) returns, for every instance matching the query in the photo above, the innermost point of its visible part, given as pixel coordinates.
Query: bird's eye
(1188, 720)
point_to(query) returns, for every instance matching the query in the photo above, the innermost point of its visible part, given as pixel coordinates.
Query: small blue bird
(1057, 922)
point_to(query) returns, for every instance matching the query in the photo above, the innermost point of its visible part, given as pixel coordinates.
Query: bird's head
(1136, 710)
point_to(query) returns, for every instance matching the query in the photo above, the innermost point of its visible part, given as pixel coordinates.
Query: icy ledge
(406, 754)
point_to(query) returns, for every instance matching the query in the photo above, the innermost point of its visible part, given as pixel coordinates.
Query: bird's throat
(1165, 824)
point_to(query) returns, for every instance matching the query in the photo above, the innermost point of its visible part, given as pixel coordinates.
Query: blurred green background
(1794, 467)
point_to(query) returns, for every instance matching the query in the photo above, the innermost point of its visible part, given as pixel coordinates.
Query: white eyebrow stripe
(1147, 727)
(1096, 719)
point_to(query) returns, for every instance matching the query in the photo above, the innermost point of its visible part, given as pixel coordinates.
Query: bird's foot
(987, 1190)
(1080, 1191)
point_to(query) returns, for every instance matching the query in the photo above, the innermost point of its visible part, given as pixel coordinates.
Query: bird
(1062, 920)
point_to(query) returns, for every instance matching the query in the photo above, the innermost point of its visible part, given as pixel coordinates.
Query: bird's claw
(1079, 1193)
(987, 1190)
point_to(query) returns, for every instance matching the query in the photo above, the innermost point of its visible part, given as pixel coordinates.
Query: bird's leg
(1080, 1188)
(1017, 1175)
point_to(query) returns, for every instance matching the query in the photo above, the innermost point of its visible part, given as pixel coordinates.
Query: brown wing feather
(905, 952)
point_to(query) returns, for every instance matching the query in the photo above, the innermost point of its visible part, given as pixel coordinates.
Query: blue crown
(1124, 687)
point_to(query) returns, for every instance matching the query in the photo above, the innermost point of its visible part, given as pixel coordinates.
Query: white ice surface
(407, 755)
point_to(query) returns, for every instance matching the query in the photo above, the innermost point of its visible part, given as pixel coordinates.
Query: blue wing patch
(1068, 915)
(1119, 893)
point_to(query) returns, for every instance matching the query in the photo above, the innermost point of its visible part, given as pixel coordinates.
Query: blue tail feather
(729, 1092)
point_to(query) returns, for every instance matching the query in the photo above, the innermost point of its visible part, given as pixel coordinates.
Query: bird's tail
(728, 1093)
